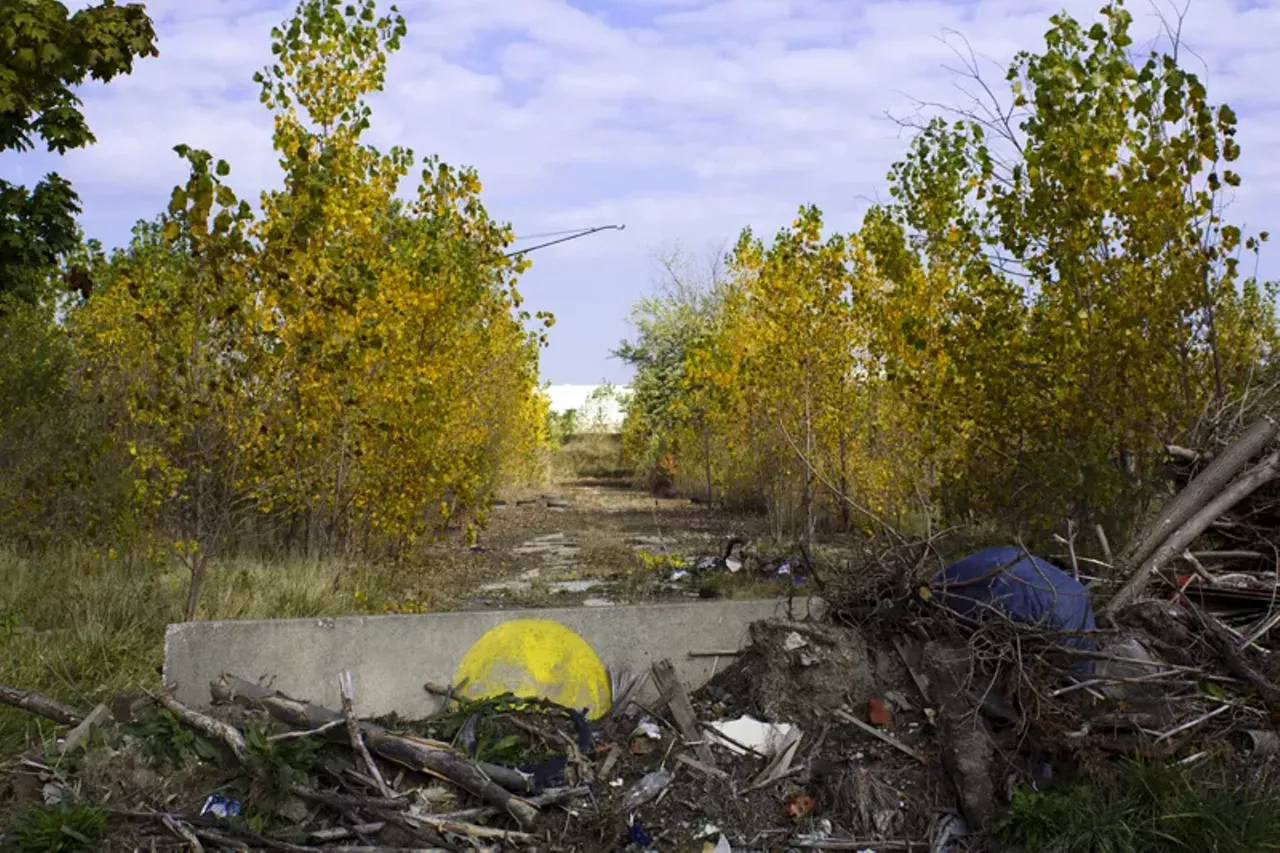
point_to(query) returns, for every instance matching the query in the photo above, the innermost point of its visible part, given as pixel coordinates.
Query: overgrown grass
(590, 454)
(1137, 808)
(79, 627)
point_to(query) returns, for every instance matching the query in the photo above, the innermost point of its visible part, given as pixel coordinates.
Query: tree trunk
(809, 522)
(845, 518)
(199, 561)
(706, 461)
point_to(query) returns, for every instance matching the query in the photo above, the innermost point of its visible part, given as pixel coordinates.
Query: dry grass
(79, 627)
(590, 455)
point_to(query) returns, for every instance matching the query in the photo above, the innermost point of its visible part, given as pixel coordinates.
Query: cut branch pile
(363, 810)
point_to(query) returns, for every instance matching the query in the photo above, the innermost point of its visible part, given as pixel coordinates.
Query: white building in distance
(599, 408)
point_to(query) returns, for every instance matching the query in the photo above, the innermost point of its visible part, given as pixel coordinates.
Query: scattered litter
(869, 782)
(799, 805)
(649, 786)
(638, 835)
(746, 731)
(220, 807)
(721, 846)
(647, 728)
(877, 713)
(643, 746)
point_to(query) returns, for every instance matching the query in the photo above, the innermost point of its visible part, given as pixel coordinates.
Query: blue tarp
(1023, 586)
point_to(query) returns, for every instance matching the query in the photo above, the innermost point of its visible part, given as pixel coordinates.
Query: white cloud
(684, 119)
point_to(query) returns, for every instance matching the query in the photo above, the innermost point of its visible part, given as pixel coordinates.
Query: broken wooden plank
(912, 662)
(781, 763)
(706, 770)
(80, 733)
(677, 698)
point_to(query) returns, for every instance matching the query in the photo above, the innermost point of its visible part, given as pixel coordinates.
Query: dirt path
(589, 542)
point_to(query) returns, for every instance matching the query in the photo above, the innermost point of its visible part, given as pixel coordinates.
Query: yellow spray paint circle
(536, 658)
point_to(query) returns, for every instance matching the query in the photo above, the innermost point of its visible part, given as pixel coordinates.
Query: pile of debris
(906, 733)
(900, 721)
(709, 771)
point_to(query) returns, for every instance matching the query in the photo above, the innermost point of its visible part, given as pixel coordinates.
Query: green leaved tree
(47, 52)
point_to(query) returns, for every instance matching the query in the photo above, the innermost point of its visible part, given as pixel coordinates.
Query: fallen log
(1202, 488)
(407, 752)
(40, 705)
(1203, 515)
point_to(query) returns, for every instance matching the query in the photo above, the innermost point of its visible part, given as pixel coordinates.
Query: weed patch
(1139, 808)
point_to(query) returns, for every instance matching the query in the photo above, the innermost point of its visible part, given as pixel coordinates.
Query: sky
(683, 120)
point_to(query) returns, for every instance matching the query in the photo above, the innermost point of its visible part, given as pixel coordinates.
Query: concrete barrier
(391, 657)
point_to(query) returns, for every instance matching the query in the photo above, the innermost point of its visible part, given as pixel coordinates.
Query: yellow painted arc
(536, 658)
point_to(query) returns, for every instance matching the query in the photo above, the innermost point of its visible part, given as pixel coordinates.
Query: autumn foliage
(341, 372)
(1052, 294)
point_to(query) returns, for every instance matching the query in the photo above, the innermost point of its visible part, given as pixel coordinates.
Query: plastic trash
(1022, 586)
(794, 641)
(649, 786)
(638, 835)
(220, 807)
(647, 728)
(764, 738)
